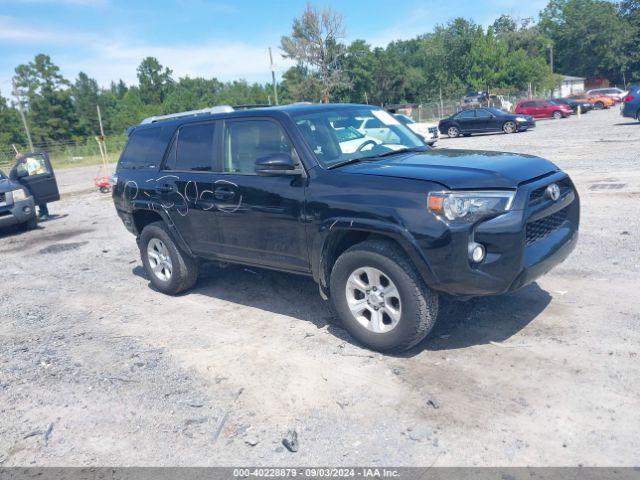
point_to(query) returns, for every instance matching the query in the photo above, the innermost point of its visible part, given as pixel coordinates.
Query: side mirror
(276, 164)
(21, 173)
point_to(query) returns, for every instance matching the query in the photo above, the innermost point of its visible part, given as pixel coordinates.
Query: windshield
(338, 135)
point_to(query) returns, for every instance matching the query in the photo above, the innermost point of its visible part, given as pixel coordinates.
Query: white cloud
(14, 31)
(225, 61)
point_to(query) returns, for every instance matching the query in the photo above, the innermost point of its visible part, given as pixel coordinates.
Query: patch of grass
(69, 162)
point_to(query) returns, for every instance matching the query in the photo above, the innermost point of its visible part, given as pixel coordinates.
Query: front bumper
(629, 110)
(521, 245)
(13, 213)
(526, 125)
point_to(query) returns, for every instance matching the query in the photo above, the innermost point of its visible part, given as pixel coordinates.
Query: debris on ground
(433, 403)
(290, 441)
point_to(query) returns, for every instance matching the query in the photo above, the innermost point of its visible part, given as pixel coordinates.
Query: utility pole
(16, 94)
(101, 129)
(273, 78)
(550, 47)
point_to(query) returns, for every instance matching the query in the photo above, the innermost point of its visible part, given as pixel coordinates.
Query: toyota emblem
(553, 192)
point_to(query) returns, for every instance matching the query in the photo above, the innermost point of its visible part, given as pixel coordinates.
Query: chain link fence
(67, 153)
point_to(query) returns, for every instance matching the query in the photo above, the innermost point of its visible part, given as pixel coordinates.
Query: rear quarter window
(145, 148)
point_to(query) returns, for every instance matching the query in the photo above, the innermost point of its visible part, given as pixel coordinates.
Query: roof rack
(204, 111)
(248, 106)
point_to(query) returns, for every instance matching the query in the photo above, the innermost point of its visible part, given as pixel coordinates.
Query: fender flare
(147, 206)
(329, 232)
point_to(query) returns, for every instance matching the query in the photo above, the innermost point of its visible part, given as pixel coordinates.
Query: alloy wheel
(453, 132)
(373, 299)
(159, 259)
(509, 127)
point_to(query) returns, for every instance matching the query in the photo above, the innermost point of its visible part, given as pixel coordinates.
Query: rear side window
(466, 114)
(145, 148)
(195, 147)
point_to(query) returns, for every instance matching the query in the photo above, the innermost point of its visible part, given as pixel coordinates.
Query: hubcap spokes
(373, 299)
(159, 259)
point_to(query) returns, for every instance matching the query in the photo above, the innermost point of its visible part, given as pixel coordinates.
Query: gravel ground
(96, 368)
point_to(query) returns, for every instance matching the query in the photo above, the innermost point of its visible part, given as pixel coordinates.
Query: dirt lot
(96, 368)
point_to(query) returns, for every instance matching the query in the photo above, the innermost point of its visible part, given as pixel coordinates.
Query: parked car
(614, 93)
(631, 103)
(585, 107)
(427, 131)
(16, 205)
(599, 102)
(484, 120)
(543, 109)
(383, 232)
(475, 100)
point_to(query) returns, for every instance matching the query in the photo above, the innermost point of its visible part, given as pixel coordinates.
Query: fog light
(476, 252)
(26, 210)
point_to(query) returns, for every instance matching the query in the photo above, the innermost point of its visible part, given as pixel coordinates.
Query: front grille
(539, 229)
(433, 129)
(3, 198)
(538, 194)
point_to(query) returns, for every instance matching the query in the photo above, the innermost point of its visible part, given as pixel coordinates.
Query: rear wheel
(380, 298)
(557, 114)
(509, 127)
(453, 132)
(170, 269)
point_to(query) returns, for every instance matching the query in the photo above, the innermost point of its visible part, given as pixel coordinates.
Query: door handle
(166, 188)
(224, 193)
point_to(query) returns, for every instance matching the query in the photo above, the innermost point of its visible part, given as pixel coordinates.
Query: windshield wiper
(394, 152)
(375, 157)
(346, 162)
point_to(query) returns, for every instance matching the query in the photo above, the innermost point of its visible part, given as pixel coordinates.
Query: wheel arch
(342, 234)
(141, 217)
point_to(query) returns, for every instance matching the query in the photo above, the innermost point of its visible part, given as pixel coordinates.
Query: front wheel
(380, 298)
(557, 115)
(509, 127)
(170, 269)
(453, 132)
(599, 105)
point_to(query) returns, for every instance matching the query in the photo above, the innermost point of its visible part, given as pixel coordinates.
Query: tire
(453, 132)
(183, 271)
(415, 304)
(509, 127)
(30, 224)
(599, 106)
(105, 189)
(557, 115)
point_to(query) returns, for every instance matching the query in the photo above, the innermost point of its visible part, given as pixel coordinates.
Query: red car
(543, 109)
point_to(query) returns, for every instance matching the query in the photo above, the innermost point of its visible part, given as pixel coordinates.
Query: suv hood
(7, 185)
(459, 169)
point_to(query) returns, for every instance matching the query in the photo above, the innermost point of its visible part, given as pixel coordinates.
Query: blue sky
(108, 38)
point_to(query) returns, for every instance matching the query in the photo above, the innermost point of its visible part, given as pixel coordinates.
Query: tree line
(589, 38)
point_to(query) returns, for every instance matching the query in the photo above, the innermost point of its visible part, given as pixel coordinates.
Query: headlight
(468, 207)
(521, 119)
(19, 195)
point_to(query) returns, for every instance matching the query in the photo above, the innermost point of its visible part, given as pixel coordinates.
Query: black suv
(382, 223)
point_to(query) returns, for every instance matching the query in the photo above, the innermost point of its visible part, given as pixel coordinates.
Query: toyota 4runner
(384, 227)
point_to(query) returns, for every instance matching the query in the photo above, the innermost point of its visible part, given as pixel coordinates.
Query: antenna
(273, 78)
